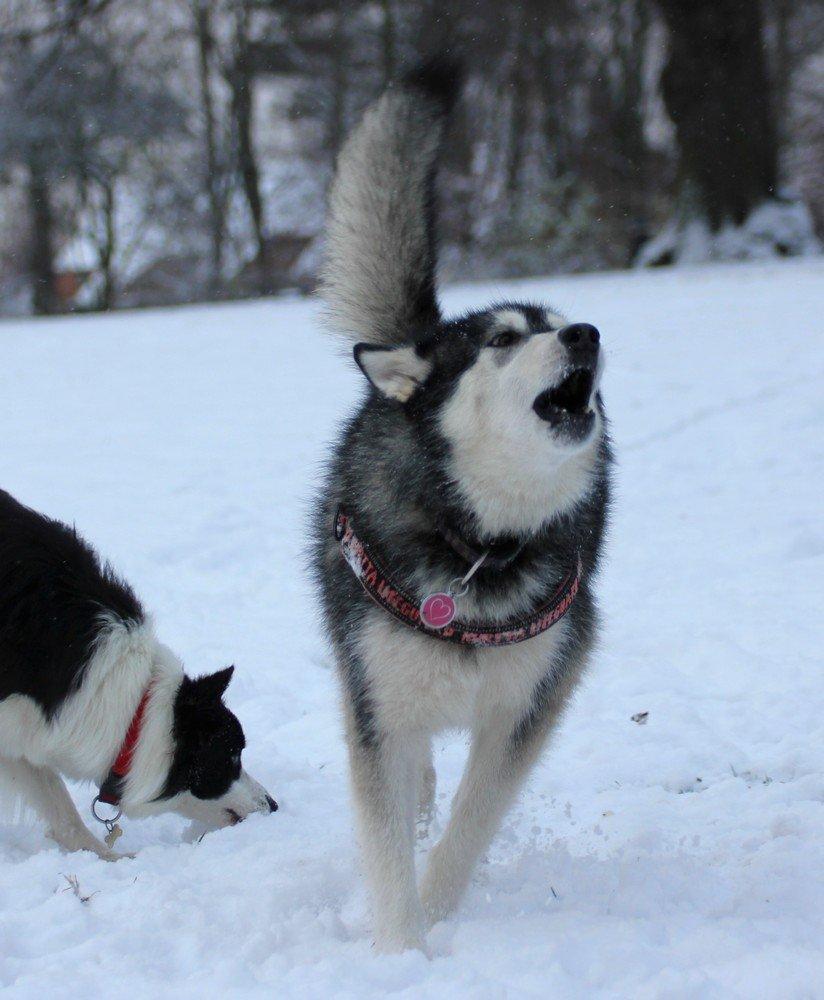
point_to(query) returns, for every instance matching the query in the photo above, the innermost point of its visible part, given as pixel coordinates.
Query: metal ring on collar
(109, 823)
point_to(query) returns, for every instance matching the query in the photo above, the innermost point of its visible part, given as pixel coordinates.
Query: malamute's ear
(395, 371)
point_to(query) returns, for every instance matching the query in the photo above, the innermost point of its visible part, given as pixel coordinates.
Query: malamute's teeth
(574, 393)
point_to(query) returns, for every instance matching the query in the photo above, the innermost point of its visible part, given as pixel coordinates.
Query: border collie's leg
(504, 748)
(386, 775)
(45, 793)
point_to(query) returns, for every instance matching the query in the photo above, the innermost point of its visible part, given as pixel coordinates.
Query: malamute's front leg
(504, 747)
(426, 796)
(386, 781)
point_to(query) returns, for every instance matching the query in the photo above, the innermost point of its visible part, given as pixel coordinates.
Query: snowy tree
(717, 90)
(72, 117)
(180, 149)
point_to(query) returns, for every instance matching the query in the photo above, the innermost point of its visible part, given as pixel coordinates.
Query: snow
(773, 229)
(677, 858)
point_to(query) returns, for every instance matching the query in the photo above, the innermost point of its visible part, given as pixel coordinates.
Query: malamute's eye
(505, 339)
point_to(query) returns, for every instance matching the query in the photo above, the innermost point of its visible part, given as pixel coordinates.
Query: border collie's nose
(273, 806)
(581, 339)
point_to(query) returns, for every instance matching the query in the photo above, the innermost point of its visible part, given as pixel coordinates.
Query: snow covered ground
(682, 857)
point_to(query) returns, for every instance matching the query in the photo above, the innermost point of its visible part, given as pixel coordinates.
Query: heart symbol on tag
(438, 610)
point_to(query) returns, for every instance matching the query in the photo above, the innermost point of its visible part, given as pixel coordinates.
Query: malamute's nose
(581, 340)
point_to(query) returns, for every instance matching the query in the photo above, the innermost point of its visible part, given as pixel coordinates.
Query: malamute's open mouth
(566, 406)
(573, 394)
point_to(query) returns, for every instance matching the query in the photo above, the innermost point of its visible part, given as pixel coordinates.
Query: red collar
(400, 605)
(111, 790)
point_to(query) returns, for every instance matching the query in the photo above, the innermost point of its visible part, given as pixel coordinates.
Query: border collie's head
(206, 780)
(513, 394)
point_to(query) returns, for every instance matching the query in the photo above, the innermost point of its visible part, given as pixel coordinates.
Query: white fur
(377, 235)
(84, 738)
(419, 687)
(245, 796)
(43, 791)
(554, 320)
(417, 683)
(511, 319)
(512, 470)
(516, 473)
(510, 466)
(397, 373)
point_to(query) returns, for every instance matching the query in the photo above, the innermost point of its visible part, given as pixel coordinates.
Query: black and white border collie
(82, 675)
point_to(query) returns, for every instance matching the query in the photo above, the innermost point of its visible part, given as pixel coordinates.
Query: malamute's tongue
(574, 392)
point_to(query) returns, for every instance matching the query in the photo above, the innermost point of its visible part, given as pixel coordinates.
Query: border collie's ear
(214, 685)
(395, 371)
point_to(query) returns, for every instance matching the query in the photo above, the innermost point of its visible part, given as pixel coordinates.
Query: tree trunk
(559, 52)
(41, 259)
(240, 81)
(782, 64)
(107, 247)
(716, 90)
(630, 26)
(388, 41)
(211, 179)
(337, 105)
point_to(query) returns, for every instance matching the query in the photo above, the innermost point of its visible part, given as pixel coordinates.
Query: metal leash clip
(112, 826)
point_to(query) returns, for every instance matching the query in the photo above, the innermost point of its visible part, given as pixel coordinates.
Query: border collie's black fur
(77, 656)
(53, 592)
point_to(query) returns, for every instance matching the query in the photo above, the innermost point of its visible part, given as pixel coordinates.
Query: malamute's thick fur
(484, 432)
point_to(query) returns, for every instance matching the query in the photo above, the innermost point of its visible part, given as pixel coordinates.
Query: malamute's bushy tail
(379, 276)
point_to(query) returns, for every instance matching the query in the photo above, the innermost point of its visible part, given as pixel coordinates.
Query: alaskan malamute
(86, 690)
(461, 521)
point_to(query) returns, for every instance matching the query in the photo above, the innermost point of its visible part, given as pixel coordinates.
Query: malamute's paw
(395, 943)
(403, 931)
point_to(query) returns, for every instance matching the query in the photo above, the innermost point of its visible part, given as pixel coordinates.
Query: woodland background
(168, 151)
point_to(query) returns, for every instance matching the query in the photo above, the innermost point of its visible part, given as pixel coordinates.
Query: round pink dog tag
(438, 610)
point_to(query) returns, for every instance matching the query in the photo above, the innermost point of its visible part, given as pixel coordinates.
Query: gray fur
(378, 278)
(399, 467)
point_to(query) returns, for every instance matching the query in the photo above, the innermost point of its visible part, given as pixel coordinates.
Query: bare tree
(179, 149)
(213, 167)
(717, 92)
(73, 116)
(41, 254)
(388, 39)
(240, 74)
